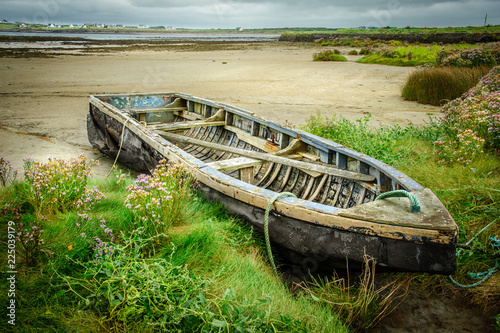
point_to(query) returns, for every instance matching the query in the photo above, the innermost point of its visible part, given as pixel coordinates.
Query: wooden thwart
(180, 126)
(330, 170)
(235, 163)
(176, 105)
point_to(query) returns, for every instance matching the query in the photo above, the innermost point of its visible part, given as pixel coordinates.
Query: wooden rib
(348, 197)
(318, 189)
(295, 180)
(337, 193)
(237, 142)
(203, 137)
(213, 152)
(309, 187)
(302, 176)
(203, 155)
(361, 197)
(268, 171)
(273, 177)
(327, 189)
(222, 139)
(285, 179)
(196, 134)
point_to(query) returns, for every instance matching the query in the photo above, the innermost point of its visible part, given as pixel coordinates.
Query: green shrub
(329, 55)
(438, 85)
(353, 52)
(484, 55)
(59, 184)
(382, 144)
(364, 51)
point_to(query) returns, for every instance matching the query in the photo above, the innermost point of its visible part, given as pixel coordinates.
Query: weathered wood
(330, 170)
(251, 139)
(176, 105)
(246, 175)
(235, 164)
(181, 126)
(156, 110)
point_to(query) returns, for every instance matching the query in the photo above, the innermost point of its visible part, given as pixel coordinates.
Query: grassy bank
(103, 259)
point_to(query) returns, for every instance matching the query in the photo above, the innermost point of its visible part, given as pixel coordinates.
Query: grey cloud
(256, 13)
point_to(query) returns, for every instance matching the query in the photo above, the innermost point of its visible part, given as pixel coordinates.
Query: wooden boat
(242, 161)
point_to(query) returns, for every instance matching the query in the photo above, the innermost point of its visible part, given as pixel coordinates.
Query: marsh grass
(439, 85)
(329, 55)
(362, 304)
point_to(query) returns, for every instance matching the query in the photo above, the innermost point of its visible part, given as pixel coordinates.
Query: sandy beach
(44, 101)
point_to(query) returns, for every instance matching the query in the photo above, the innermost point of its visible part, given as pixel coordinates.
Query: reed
(439, 85)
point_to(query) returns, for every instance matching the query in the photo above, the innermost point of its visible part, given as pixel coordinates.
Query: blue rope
(485, 276)
(481, 275)
(415, 204)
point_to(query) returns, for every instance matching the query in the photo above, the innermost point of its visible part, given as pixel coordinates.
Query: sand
(49, 96)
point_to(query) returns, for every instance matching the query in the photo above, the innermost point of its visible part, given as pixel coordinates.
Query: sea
(258, 37)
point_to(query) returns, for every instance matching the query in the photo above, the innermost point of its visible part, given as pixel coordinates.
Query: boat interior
(259, 152)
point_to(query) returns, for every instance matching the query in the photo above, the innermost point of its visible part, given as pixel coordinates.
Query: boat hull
(310, 235)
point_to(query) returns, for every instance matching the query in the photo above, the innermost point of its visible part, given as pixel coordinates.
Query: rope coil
(415, 204)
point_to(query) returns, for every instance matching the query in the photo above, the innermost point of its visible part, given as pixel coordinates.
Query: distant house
(120, 26)
(142, 26)
(5, 21)
(170, 28)
(51, 25)
(99, 25)
(22, 25)
(239, 29)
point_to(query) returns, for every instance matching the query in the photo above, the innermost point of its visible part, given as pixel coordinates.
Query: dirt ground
(44, 102)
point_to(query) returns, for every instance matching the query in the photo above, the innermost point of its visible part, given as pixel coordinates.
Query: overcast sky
(256, 13)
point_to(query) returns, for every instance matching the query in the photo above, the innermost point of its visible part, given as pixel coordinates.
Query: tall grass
(329, 55)
(439, 85)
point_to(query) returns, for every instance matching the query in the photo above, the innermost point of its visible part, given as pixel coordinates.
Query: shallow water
(167, 36)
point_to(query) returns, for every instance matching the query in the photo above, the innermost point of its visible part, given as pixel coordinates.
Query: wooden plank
(246, 175)
(188, 115)
(156, 110)
(184, 125)
(177, 105)
(330, 170)
(253, 140)
(235, 163)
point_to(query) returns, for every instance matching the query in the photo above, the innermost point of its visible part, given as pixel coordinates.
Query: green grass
(439, 85)
(215, 261)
